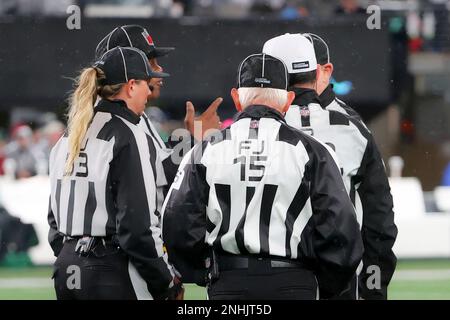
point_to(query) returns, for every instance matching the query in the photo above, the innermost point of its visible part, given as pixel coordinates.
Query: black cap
(131, 36)
(122, 64)
(320, 48)
(262, 71)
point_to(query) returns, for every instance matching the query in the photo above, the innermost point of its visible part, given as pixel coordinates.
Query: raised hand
(207, 120)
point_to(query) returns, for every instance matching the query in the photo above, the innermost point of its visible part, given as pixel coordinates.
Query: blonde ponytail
(81, 113)
(81, 109)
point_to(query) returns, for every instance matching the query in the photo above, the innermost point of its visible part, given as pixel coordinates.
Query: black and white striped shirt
(363, 174)
(263, 188)
(329, 101)
(168, 162)
(335, 130)
(112, 191)
(163, 175)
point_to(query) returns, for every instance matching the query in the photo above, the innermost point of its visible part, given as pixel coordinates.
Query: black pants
(349, 293)
(261, 281)
(103, 274)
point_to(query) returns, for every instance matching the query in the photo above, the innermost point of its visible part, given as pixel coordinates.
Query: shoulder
(357, 126)
(343, 107)
(61, 143)
(122, 132)
(361, 127)
(290, 135)
(296, 137)
(338, 118)
(109, 126)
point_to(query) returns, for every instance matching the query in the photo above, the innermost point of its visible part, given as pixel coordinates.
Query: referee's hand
(180, 296)
(177, 291)
(208, 119)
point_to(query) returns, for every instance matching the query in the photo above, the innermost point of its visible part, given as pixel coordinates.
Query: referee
(362, 166)
(263, 202)
(325, 91)
(103, 227)
(138, 37)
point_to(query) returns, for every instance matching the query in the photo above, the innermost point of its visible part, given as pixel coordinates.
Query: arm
(137, 225)
(335, 244)
(55, 238)
(181, 142)
(184, 217)
(378, 228)
(195, 128)
(209, 119)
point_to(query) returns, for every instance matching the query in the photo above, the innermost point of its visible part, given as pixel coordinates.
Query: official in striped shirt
(263, 202)
(361, 163)
(325, 91)
(138, 37)
(103, 226)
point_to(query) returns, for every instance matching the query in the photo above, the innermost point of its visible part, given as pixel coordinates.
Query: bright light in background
(342, 88)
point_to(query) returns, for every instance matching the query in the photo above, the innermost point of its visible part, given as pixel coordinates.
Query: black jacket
(112, 192)
(267, 176)
(364, 173)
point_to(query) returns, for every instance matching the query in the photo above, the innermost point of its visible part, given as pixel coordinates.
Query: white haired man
(253, 201)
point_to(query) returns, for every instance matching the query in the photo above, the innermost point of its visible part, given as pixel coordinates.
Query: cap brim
(159, 75)
(160, 52)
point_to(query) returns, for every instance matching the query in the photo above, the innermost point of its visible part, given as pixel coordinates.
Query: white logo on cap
(300, 65)
(262, 80)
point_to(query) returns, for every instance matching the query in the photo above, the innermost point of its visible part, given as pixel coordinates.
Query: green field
(414, 279)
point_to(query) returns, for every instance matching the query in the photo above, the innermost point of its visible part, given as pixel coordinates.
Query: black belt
(229, 262)
(107, 239)
(99, 246)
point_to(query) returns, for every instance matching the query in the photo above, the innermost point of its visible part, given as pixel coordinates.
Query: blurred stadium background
(397, 77)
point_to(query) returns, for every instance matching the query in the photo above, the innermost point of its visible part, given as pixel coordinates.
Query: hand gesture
(208, 119)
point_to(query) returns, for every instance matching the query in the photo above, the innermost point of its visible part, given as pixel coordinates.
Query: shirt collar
(304, 96)
(258, 112)
(327, 96)
(118, 108)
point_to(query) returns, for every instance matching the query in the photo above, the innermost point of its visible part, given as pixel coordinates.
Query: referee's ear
(327, 71)
(290, 98)
(235, 97)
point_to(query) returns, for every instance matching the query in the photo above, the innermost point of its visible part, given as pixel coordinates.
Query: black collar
(119, 108)
(304, 96)
(327, 96)
(258, 112)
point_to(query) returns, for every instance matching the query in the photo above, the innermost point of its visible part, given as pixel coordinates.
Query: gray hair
(273, 97)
